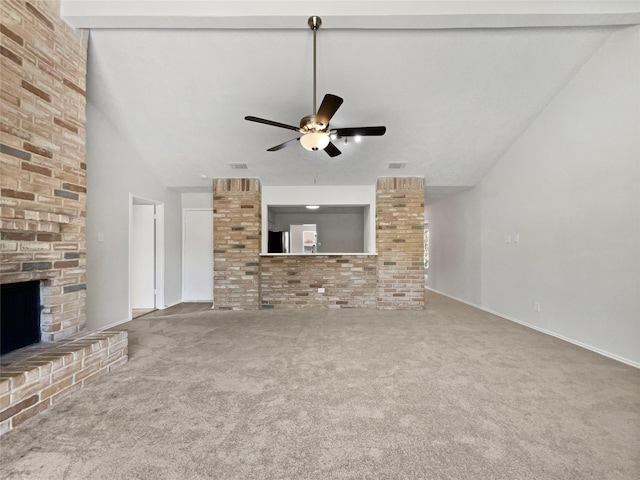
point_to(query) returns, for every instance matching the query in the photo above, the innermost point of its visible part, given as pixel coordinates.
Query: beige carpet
(447, 393)
(138, 312)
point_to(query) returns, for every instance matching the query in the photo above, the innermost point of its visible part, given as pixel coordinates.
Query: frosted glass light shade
(314, 141)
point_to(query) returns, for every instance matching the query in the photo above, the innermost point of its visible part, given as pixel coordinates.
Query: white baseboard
(170, 305)
(114, 324)
(542, 330)
(120, 322)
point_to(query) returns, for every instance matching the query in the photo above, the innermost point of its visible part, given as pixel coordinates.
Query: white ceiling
(453, 99)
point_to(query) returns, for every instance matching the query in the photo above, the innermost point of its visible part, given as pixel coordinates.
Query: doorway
(197, 255)
(146, 253)
(426, 252)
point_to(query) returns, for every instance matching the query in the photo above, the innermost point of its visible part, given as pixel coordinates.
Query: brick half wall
(349, 281)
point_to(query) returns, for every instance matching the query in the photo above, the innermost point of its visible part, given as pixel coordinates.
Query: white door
(143, 256)
(296, 237)
(197, 276)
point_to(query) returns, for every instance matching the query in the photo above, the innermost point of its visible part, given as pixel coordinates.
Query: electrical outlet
(536, 306)
(507, 238)
(516, 238)
(321, 290)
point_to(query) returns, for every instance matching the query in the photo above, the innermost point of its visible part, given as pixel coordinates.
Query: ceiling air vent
(238, 165)
(396, 165)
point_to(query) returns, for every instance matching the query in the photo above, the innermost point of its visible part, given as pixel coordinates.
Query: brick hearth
(36, 377)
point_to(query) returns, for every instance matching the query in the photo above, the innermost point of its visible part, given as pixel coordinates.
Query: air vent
(396, 165)
(238, 166)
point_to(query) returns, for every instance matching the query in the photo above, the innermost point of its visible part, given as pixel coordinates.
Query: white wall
(570, 188)
(198, 200)
(114, 170)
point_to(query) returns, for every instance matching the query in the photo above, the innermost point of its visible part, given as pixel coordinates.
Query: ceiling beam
(371, 14)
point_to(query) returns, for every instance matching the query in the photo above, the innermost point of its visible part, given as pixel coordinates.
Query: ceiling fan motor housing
(308, 124)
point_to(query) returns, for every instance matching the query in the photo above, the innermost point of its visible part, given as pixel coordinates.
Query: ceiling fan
(316, 134)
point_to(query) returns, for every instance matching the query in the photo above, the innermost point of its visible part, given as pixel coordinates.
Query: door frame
(184, 243)
(159, 249)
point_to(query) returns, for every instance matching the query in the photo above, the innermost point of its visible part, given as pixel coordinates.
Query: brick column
(237, 227)
(400, 243)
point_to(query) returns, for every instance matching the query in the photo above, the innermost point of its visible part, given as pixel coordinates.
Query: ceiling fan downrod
(314, 23)
(314, 128)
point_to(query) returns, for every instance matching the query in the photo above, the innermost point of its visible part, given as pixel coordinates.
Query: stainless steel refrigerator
(278, 242)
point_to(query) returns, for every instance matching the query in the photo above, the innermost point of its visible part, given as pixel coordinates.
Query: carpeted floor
(445, 393)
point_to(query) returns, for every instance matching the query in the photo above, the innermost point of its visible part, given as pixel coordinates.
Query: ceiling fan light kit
(315, 141)
(316, 134)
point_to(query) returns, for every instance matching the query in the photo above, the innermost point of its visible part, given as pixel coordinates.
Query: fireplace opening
(19, 315)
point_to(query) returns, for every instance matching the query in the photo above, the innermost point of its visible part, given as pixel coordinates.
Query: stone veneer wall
(42, 154)
(293, 281)
(400, 242)
(237, 226)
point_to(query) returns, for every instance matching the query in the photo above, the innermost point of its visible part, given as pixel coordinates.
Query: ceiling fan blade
(328, 108)
(271, 122)
(361, 131)
(282, 145)
(332, 150)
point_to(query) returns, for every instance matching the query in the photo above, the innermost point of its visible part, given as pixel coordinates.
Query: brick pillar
(42, 160)
(237, 227)
(400, 243)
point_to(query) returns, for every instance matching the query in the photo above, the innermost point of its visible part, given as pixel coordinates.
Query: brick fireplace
(43, 207)
(43, 186)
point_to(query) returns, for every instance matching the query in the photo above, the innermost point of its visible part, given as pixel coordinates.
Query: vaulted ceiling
(453, 94)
